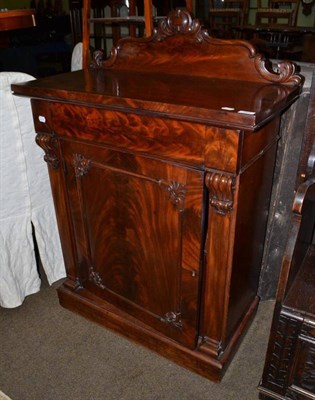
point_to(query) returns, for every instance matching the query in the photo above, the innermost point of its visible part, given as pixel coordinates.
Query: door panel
(138, 234)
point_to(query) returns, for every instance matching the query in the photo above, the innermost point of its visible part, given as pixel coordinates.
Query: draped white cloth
(76, 58)
(25, 199)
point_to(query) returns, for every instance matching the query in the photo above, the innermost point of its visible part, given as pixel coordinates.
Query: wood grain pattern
(161, 136)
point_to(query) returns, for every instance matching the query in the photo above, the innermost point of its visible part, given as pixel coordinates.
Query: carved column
(222, 189)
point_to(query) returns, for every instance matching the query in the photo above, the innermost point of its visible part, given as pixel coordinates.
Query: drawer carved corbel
(221, 188)
(49, 143)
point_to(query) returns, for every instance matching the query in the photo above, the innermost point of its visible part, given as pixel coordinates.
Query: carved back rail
(203, 56)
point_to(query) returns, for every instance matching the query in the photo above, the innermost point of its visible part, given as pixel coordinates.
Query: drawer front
(162, 137)
(188, 142)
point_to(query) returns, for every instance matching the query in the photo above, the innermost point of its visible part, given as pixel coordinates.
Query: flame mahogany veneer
(161, 162)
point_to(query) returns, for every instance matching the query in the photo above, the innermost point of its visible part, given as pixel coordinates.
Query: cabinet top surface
(179, 72)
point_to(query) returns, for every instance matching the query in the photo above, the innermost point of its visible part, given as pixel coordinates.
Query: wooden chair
(289, 367)
(102, 21)
(276, 38)
(107, 34)
(115, 15)
(230, 14)
(278, 12)
(106, 21)
(75, 11)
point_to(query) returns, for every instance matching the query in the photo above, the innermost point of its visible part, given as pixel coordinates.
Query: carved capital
(176, 193)
(81, 165)
(49, 143)
(221, 189)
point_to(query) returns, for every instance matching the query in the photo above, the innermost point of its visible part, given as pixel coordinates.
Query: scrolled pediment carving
(179, 45)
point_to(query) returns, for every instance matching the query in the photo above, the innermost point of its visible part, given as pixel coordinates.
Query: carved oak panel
(282, 352)
(302, 382)
(289, 369)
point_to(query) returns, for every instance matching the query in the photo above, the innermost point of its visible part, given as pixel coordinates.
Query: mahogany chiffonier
(161, 161)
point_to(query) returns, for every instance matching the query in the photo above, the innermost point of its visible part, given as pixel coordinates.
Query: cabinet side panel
(250, 230)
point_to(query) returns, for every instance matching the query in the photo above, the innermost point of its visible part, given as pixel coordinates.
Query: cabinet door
(138, 234)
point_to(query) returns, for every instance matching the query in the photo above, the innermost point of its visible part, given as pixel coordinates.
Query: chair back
(278, 13)
(225, 16)
(75, 12)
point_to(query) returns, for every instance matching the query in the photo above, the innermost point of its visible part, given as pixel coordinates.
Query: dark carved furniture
(289, 371)
(161, 161)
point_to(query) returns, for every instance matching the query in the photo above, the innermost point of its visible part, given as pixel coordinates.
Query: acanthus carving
(221, 190)
(81, 165)
(176, 193)
(173, 319)
(96, 278)
(49, 143)
(282, 352)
